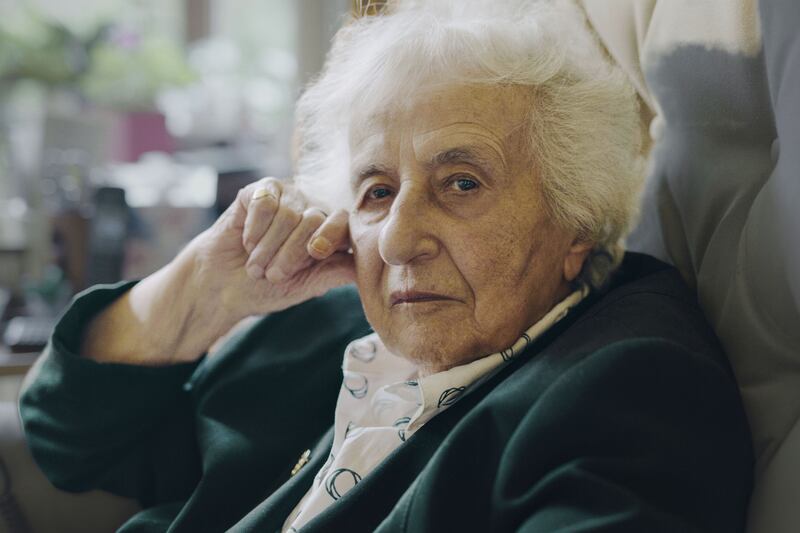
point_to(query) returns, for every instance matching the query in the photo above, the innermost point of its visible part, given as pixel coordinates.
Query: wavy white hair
(583, 125)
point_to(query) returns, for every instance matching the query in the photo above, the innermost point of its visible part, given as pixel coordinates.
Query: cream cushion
(720, 82)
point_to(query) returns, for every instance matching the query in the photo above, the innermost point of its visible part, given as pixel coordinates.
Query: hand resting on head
(268, 251)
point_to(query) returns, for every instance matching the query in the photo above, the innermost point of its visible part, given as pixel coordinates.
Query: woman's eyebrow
(464, 155)
(370, 170)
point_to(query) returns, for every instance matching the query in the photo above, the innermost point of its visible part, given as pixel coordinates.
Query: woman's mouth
(415, 297)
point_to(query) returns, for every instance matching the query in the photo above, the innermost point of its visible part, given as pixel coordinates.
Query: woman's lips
(415, 297)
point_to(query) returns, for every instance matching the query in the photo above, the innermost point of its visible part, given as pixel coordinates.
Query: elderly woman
(473, 170)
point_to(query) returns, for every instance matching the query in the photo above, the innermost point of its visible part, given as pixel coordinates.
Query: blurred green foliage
(112, 65)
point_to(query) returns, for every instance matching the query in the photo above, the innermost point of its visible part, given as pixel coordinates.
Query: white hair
(583, 125)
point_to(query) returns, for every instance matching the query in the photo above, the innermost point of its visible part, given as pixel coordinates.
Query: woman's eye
(378, 193)
(465, 184)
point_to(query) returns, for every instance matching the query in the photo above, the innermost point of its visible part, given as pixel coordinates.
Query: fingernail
(321, 245)
(255, 272)
(275, 274)
(262, 193)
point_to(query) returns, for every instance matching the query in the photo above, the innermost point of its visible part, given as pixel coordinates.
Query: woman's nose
(408, 233)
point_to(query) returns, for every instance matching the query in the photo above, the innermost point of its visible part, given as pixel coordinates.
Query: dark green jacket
(624, 417)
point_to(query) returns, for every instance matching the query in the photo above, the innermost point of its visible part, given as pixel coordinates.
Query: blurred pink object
(137, 132)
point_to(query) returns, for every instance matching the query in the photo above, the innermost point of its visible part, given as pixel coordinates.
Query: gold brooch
(301, 462)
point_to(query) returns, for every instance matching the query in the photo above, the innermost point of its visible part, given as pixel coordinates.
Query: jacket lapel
(367, 504)
(271, 513)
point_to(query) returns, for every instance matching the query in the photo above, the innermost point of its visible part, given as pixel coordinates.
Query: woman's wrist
(159, 321)
(205, 312)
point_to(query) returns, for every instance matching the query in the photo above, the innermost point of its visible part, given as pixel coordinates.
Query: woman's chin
(432, 348)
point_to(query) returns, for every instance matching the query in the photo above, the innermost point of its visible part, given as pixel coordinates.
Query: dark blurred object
(73, 146)
(5, 299)
(10, 509)
(26, 334)
(13, 242)
(70, 248)
(107, 234)
(228, 184)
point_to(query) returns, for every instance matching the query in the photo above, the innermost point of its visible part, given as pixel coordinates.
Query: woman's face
(455, 252)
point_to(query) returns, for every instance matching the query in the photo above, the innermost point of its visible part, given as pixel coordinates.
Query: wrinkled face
(456, 255)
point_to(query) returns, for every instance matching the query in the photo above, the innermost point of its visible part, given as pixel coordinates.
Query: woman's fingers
(333, 235)
(262, 201)
(292, 256)
(316, 238)
(282, 237)
(286, 219)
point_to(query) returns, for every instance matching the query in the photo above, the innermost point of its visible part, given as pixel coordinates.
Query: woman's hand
(267, 252)
(270, 250)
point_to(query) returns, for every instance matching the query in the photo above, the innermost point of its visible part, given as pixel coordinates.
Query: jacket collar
(386, 484)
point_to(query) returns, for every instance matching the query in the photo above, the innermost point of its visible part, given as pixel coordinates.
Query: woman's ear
(575, 257)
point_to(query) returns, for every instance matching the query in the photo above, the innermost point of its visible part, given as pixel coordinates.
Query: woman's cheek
(358, 237)
(364, 242)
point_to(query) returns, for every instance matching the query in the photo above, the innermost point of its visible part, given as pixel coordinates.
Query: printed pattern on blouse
(383, 402)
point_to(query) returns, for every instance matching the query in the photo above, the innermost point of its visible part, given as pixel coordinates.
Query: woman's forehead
(485, 118)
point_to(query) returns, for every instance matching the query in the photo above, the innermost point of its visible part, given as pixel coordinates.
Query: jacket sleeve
(126, 429)
(641, 436)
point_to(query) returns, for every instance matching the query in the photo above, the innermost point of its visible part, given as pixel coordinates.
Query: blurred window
(255, 25)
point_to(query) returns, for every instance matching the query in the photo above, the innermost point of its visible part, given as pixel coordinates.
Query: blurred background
(127, 126)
